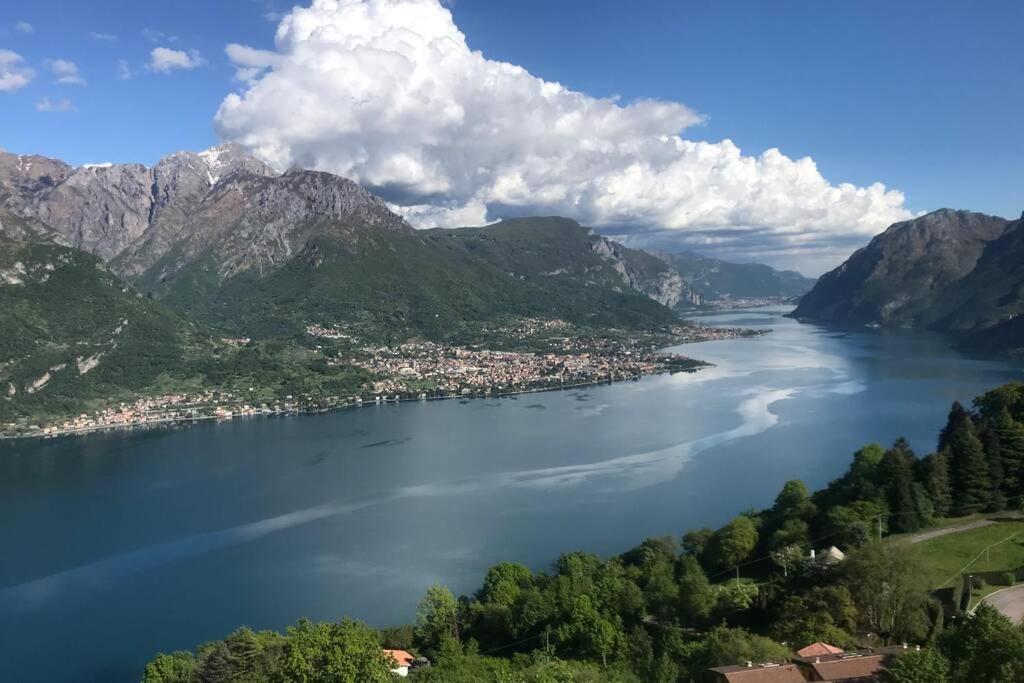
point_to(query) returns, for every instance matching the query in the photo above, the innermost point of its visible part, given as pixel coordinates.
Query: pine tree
(1011, 449)
(993, 454)
(958, 415)
(972, 491)
(937, 484)
(897, 473)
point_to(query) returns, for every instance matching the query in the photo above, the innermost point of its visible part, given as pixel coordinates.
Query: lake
(119, 545)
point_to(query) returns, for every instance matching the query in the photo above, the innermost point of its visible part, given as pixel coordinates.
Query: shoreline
(165, 423)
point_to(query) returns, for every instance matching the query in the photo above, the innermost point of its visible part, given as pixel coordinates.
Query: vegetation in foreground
(668, 609)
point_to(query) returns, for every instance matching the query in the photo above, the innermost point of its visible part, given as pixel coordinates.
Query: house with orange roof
(818, 649)
(402, 661)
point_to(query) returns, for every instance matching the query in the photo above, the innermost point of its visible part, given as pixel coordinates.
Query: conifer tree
(957, 416)
(897, 473)
(972, 491)
(1011, 449)
(936, 482)
(993, 454)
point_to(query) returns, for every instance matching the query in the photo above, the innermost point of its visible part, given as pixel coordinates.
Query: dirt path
(928, 535)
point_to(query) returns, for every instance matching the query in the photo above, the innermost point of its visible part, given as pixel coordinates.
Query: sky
(787, 132)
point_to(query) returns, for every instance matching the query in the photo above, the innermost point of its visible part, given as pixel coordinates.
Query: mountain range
(116, 277)
(955, 272)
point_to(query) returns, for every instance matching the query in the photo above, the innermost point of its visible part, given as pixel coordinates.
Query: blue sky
(925, 97)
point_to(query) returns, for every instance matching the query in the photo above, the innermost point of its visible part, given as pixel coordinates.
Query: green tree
(958, 415)
(852, 525)
(733, 543)
(970, 473)
(437, 617)
(793, 532)
(594, 635)
(889, 588)
(860, 482)
(694, 542)
(937, 484)
(178, 667)
(734, 596)
(918, 666)
(1009, 396)
(696, 597)
(661, 592)
(504, 582)
(985, 646)
(825, 613)
(1010, 435)
(793, 502)
(994, 456)
(345, 652)
(723, 646)
(896, 470)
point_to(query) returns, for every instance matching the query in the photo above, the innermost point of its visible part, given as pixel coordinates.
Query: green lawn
(946, 555)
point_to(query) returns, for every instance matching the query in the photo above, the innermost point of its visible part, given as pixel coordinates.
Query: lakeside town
(419, 370)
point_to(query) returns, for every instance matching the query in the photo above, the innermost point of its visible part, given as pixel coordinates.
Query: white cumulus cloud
(24, 27)
(388, 93)
(65, 71)
(13, 72)
(165, 60)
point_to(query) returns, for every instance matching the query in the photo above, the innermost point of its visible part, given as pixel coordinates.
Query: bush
(1008, 579)
(978, 583)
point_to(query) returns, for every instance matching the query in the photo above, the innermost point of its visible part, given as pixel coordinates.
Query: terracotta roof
(819, 648)
(760, 673)
(401, 656)
(861, 665)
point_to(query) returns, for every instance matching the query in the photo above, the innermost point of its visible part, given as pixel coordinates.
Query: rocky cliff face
(644, 273)
(900, 276)
(106, 208)
(254, 221)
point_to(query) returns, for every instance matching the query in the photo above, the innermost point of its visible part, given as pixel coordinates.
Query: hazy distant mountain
(951, 271)
(715, 280)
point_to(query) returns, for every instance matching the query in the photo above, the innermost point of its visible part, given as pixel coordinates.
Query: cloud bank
(389, 93)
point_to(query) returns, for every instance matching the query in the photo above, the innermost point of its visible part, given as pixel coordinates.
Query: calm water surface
(116, 546)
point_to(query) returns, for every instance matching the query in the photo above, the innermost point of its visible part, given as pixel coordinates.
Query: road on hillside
(928, 535)
(1009, 601)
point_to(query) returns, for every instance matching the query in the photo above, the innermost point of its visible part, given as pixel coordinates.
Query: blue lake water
(116, 546)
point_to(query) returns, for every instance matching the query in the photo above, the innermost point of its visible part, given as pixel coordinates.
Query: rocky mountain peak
(910, 262)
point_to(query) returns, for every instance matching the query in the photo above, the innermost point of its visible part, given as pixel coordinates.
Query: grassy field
(946, 556)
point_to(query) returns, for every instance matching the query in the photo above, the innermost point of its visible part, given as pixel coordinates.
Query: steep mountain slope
(71, 330)
(385, 280)
(902, 275)
(559, 250)
(953, 272)
(716, 280)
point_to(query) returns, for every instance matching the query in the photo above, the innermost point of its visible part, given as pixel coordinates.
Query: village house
(766, 672)
(403, 660)
(849, 667)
